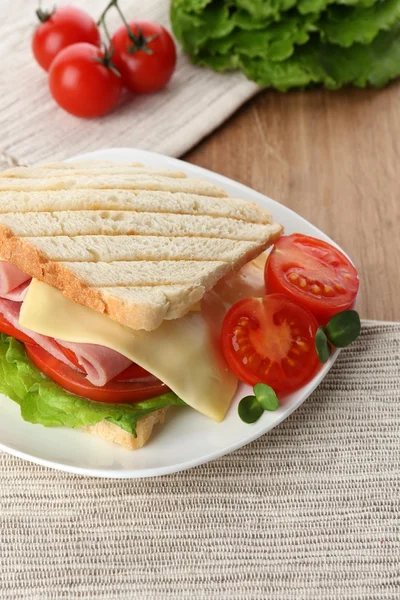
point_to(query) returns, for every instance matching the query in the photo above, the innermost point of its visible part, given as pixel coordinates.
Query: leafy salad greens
(288, 43)
(43, 401)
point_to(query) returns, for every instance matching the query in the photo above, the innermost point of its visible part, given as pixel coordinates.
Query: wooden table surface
(334, 158)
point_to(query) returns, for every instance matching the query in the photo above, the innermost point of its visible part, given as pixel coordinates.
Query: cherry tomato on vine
(145, 57)
(63, 27)
(83, 81)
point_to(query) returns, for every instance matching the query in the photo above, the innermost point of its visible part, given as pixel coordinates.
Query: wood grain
(333, 158)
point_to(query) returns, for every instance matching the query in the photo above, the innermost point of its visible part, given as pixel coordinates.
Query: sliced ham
(10, 310)
(11, 278)
(18, 294)
(101, 364)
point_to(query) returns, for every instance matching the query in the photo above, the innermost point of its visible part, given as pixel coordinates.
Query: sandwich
(114, 281)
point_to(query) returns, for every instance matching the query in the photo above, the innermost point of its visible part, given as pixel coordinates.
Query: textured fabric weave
(34, 129)
(309, 511)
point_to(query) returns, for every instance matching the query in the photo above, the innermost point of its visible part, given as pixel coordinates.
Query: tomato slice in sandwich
(8, 329)
(115, 392)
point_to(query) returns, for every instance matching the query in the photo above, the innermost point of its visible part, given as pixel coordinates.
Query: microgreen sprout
(251, 408)
(343, 329)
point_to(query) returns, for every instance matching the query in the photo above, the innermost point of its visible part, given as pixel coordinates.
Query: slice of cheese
(183, 353)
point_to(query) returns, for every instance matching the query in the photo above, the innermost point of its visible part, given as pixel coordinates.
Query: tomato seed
(339, 288)
(302, 345)
(315, 289)
(328, 290)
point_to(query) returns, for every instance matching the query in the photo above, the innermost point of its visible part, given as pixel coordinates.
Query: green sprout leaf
(343, 328)
(249, 409)
(266, 396)
(322, 345)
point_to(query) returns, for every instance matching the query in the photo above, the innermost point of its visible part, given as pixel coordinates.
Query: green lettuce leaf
(318, 6)
(345, 26)
(276, 42)
(349, 42)
(43, 401)
(262, 9)
(319, 63)
(196, 29)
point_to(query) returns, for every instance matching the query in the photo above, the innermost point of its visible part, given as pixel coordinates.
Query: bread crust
(112, 433)
(194, 210)
(137, 316)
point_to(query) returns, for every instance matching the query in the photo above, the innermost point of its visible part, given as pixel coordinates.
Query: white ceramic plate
(188, 438)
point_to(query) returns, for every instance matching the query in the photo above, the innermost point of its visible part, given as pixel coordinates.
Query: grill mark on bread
(131, 201)
(88, 164)
(97, 259)
(131, 223)
(146, 274)
(139, 248)
(108, 182)
(114, 171)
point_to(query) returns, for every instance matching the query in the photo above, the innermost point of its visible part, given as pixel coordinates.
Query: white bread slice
(132, 200)
(150, 260)
(90, 164)
(107, 248)
(112, 433)
(115, 223)
(43, 172)
(108, 181)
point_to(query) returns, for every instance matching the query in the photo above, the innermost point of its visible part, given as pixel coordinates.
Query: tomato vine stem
(138, 42)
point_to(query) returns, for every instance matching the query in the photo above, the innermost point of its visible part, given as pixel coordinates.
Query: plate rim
(107, 473)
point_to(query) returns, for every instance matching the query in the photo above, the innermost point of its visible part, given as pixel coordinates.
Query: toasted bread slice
(91, 171)
(89, 164)
(140, 248)
(144, 428)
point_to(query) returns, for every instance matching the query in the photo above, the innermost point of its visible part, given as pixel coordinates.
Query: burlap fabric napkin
(309, 511)
(34, 129)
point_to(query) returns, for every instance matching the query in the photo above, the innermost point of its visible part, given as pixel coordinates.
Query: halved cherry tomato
(8, 329)
(312, 273)
(270, 340)
(115, 392)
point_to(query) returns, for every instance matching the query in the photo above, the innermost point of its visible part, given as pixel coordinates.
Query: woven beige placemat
(309, 511)
(34, 129)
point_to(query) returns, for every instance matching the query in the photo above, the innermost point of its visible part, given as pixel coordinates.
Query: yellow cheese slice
(180, 352)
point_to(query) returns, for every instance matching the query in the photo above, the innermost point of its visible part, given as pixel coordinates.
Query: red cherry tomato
(270, 340)
(83, 82)
(147, 64)
(8, 329)
(115, 392)
(313, 274)
(67, 25)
